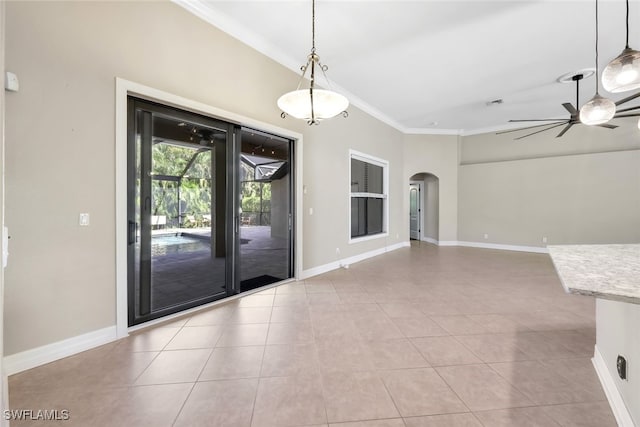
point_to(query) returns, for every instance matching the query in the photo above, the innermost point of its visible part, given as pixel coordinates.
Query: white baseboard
(619, 409)
(430, 240)
(28, 359)
(440, 242)
(447, 243)
(305, 274)
(481, 245)
(535, 249)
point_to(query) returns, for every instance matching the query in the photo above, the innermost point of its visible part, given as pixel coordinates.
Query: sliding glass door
(209, 210)
(266, 216)
(179, 205)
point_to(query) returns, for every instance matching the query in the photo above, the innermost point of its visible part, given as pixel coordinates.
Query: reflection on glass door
(266, 221)
(178, 210)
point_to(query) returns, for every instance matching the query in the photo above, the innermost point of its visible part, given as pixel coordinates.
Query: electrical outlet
(544, 239)
(621, 366)
(337, 251)
(486, 236)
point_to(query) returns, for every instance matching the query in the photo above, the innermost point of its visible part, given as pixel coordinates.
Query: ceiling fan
(574, 118)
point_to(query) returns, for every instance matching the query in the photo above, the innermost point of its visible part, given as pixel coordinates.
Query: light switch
(84, 219)
(11, 82)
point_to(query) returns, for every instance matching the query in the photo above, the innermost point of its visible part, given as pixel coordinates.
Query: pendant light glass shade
(597, 111)
(623, 73)
(326, 104)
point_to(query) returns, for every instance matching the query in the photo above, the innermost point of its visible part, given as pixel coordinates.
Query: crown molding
(431, 131)
(230, 26)
(491, 129)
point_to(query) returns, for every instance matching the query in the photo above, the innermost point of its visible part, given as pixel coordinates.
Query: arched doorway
(424, 209)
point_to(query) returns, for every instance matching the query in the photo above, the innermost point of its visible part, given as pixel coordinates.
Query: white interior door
(414, 211)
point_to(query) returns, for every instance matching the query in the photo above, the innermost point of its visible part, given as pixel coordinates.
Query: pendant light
(313, 105)
(622, 74)
(598, 110)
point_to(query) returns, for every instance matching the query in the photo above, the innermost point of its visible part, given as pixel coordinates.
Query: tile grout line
(175, 419)
(320, 370)
(154, 357)
(264, 350)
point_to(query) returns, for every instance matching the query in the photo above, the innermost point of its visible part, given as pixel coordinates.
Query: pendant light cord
(597, 79)
(627, 45)
(313, 26)
(313, 61)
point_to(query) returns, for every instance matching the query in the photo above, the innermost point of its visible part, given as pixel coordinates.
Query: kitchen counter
(605, 271)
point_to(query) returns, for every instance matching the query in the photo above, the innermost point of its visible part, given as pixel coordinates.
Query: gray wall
(436, 155)
(432, 207)
(60, 143)
(583, 188)
(617, 333)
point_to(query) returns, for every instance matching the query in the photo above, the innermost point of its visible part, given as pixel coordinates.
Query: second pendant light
(599, 109)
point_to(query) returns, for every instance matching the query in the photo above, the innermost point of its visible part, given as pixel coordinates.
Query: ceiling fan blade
(628, 98)
(528, 127)
(607, 125)
(563, 131)
(533, 133)
(536, 120)
(626, 115)
(570, 108)
(622, 110)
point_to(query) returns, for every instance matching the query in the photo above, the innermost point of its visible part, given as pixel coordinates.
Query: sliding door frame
(143, 124)
(291, 202)
(124, 89)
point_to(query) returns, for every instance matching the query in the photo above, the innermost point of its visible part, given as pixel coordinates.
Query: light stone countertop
(604, 271)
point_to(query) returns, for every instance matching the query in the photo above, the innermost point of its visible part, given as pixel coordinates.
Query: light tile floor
(417, 337)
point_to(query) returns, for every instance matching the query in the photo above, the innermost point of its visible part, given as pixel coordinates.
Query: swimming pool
(166, 244)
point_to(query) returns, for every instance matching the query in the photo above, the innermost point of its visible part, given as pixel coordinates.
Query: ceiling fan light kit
(622, 74)
(313, 105)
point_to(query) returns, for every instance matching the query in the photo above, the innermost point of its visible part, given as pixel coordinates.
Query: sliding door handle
(132, 232)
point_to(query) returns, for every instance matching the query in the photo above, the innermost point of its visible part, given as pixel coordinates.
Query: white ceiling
(416, 63)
